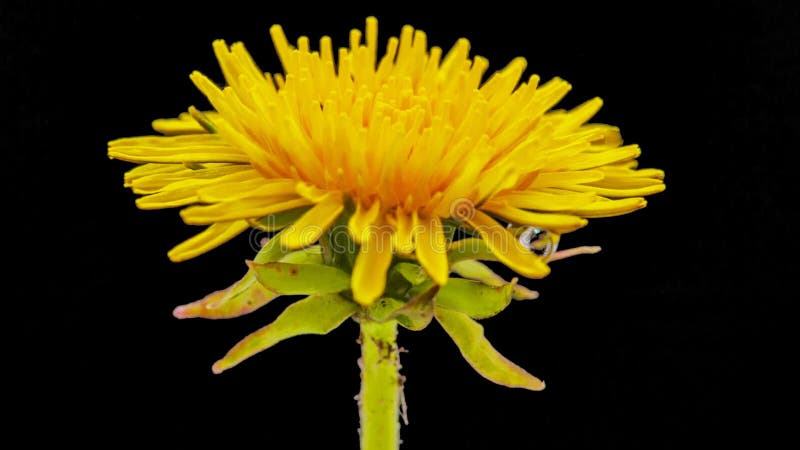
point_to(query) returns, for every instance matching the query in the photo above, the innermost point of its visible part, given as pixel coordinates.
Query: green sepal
(308, 255)
(417, 313)
(317, 314)
(473, 298)
(414, 314)
(481, 355)
(413, 273)
(476, 270)
(382, 309)
(469, 248)
(338, 247)
(397, 286)
(272, 250)
(300, 279)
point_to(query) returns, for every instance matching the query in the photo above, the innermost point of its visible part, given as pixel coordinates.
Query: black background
(676, 336)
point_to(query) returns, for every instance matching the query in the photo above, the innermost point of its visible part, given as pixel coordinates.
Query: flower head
(406, 143)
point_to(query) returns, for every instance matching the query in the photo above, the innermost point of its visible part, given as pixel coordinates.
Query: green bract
(301, 279)
(479, 353)
(317, 314)
(244, 296)
(411, 299)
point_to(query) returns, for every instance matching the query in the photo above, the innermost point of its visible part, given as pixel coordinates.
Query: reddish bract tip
(180, 312)
(217, 368)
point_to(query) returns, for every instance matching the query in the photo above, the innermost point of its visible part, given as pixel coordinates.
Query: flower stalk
(381, 386)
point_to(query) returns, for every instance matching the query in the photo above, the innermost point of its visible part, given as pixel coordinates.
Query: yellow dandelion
(399, 150)
(405, 140)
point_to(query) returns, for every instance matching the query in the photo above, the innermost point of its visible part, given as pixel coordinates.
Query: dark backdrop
(675, 336)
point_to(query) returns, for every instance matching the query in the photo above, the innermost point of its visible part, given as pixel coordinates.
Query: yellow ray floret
(408, 138)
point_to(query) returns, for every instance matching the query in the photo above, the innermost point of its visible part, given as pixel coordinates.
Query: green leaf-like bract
(308, 255)
(469, 248)
(382, 309)
(473, 298)
(417, 313)
(317, 314)
(479, 353)
(272, 250)
(247, 294)
(478, 271)
(413, 273)
(301, 279)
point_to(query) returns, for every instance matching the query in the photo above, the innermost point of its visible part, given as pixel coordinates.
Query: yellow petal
(311, 192)
(145, 170)
(180, 125)
(255, 154)
(369, 271)
(546, 201)
(246, 208)
(641, 173)
(611, 156)
(187, 123)
(168, 199)
(559, 223)
(624, 166)
(361, 221)
(580, 114)
(632, 179)
(432, 248)
(186, 177)
(602, 135)
(404, 231)
(257, 187)
(310, 226)
(609, 208)
(621, 193)
(565, 178)
(212, 237)
(507, 248)
(282, 47)
(199, 148)
(497, 180)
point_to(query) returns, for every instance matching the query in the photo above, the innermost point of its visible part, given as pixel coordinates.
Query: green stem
(379, 400)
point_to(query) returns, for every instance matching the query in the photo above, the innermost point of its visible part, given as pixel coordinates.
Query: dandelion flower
(410, 138)
(412, 143)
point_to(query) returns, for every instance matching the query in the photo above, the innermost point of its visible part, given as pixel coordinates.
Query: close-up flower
(385, 178)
